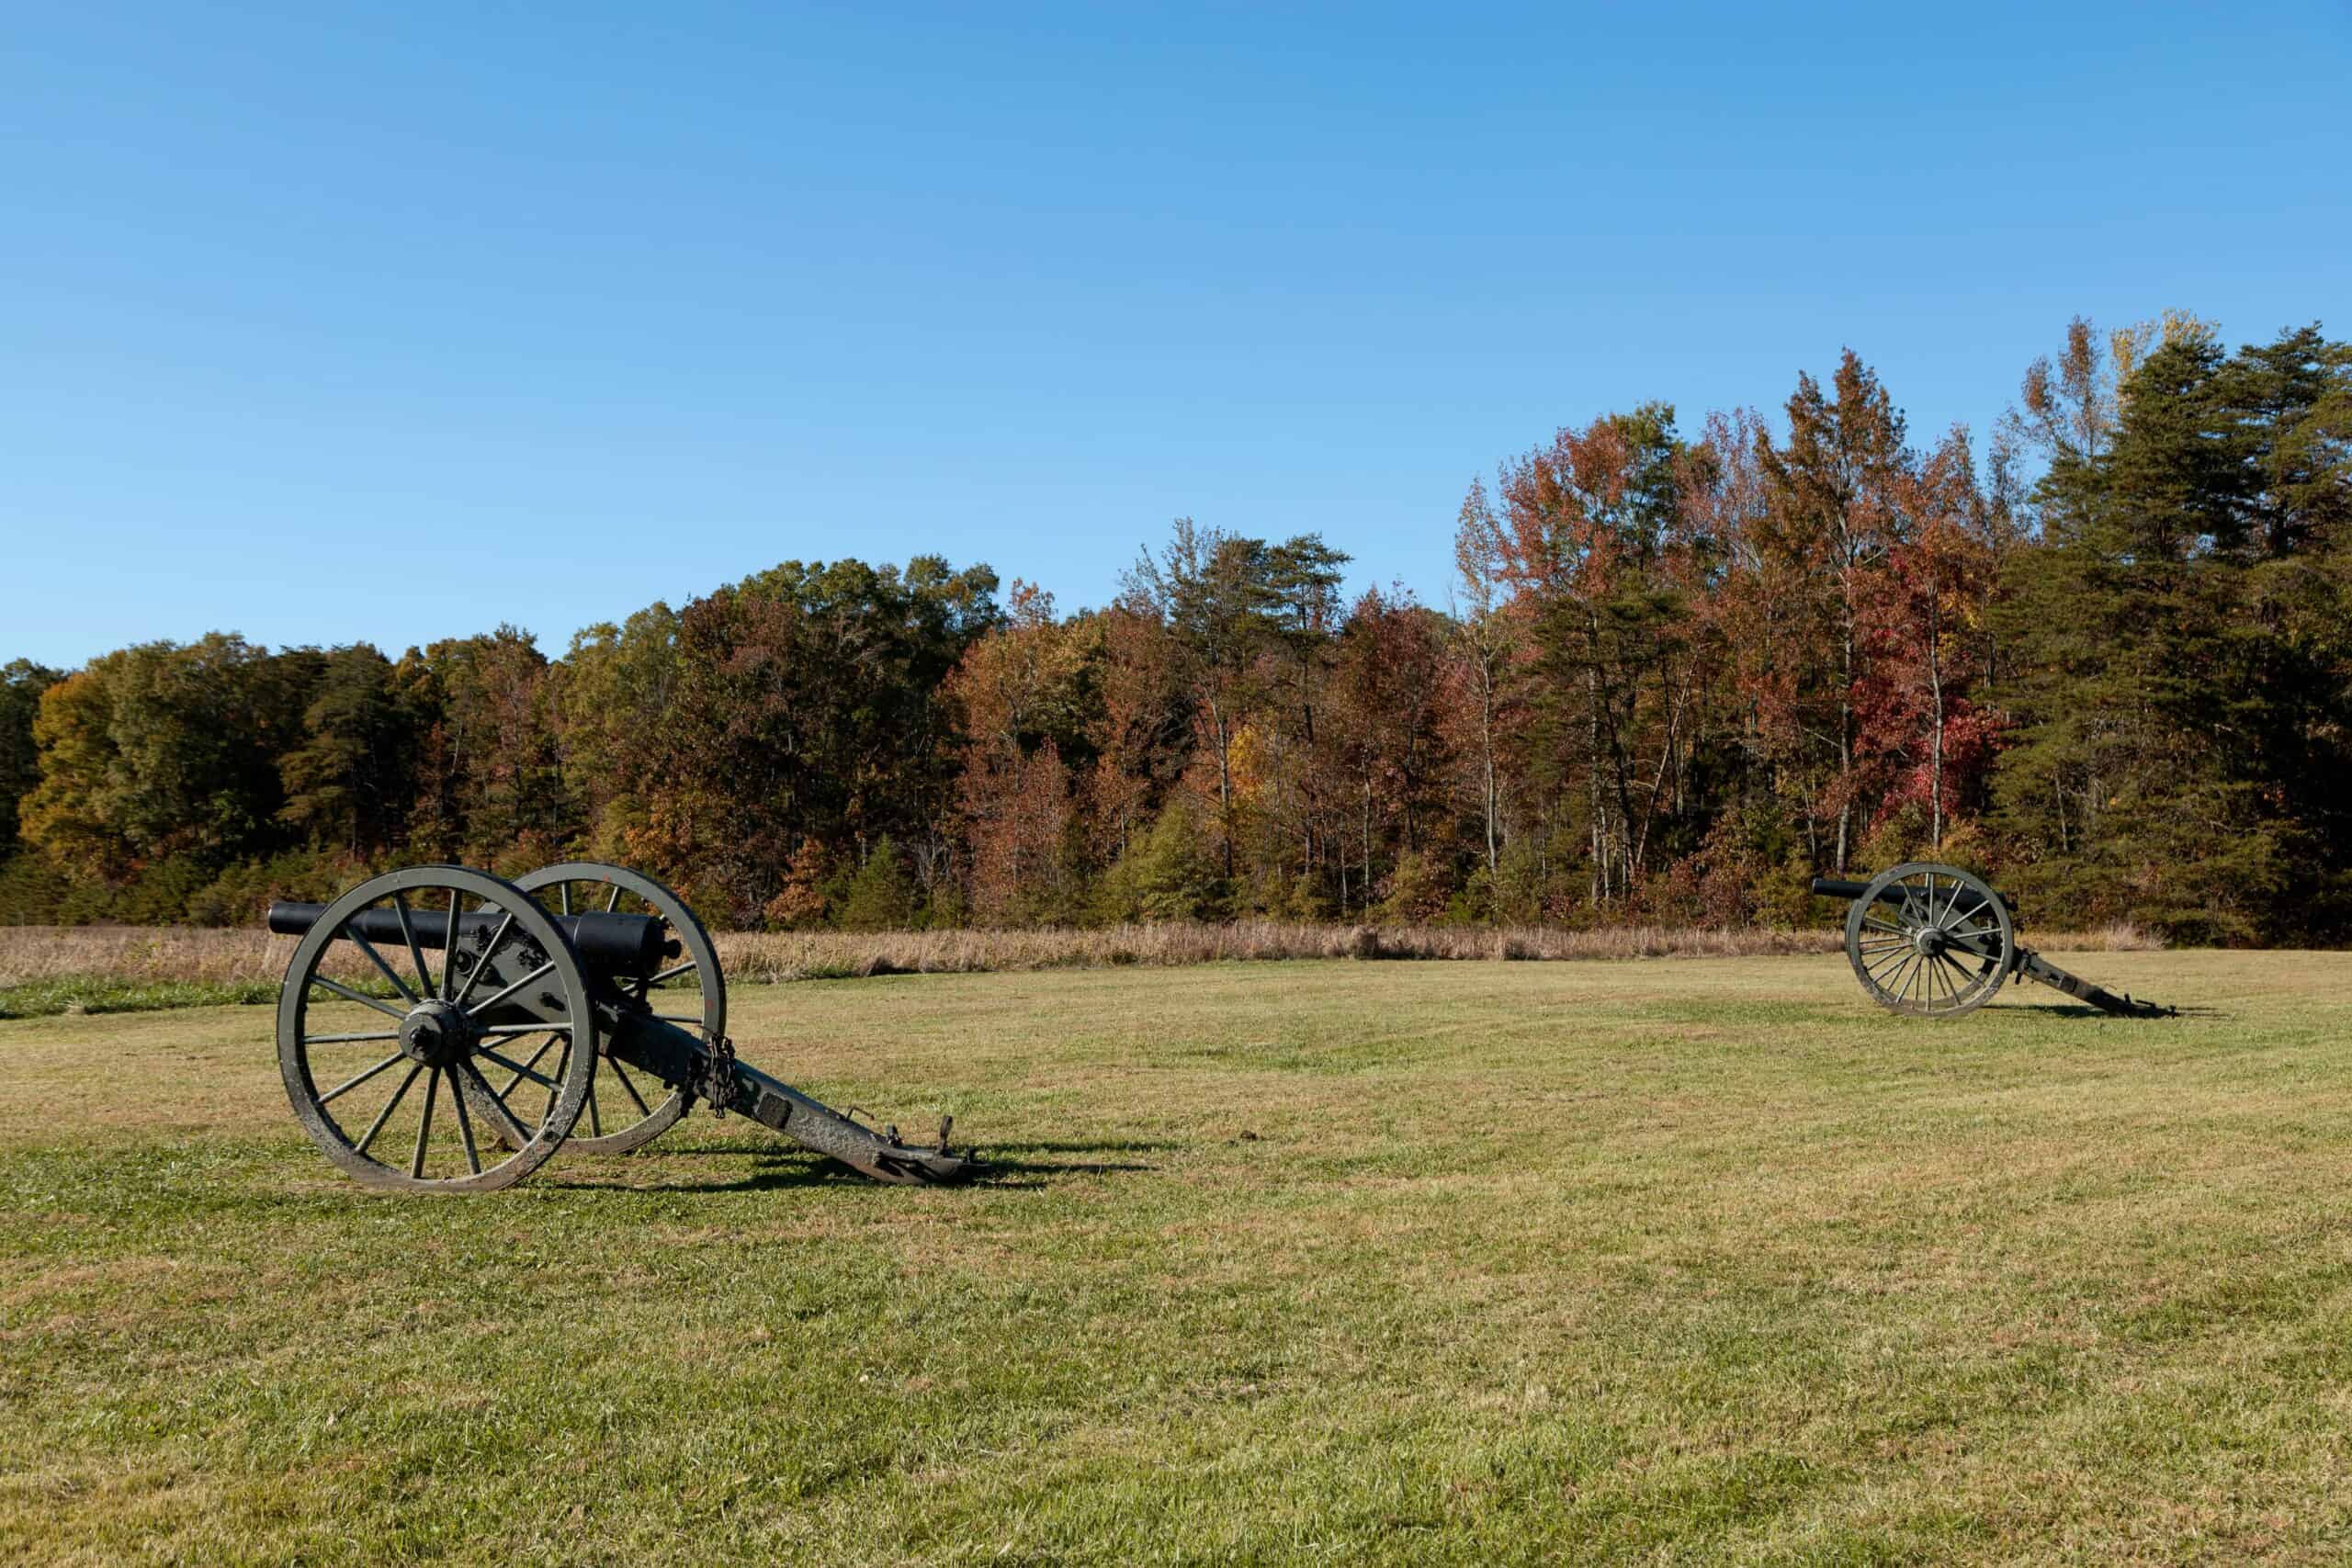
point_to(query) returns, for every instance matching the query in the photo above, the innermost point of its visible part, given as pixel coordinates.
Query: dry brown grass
(228, 956)
(214, 955)
(801, 954)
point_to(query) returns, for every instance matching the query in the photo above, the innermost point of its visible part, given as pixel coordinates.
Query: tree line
(2107, 658)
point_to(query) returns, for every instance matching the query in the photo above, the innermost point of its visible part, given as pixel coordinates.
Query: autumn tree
(1758, 620)
(606, 704)
(165, 750)
(1919, 739)
(807, 703)
(1481, 646)
(1215, 593)
(1587, 526)
(1834, 501)
(1387, 738)
(1140, 729)
(490, 783)
(1025, 689)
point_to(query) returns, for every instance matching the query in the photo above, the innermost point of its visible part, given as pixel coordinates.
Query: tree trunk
(1487, 746)
(1936, 771)
(1846, 729)
(1224, 785)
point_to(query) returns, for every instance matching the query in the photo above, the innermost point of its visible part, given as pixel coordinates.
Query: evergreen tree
(1835, 503)
(2184, 650)
(881, 895)
(350, 781)
(22, 681)
(1168, 874)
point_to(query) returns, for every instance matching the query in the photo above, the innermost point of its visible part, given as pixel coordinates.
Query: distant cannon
(512, 982)
(1935, 942)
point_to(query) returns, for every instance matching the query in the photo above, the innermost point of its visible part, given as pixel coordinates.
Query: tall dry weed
(225, 956)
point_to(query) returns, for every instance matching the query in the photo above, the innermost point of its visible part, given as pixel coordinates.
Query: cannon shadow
(1013, 1166)
(2077, 1009)
(1019, 1145)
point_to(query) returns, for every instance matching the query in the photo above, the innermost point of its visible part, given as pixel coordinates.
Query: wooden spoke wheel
(466, 973)
(1931, 940)
(626, 1109)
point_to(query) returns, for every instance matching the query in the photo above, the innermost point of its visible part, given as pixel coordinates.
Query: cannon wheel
(581, 886)
(434, 1026)
(1931, 940)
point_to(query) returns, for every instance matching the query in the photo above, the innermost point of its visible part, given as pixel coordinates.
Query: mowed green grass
(1676, 1260)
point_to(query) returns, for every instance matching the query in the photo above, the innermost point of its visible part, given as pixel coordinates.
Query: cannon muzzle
(610, 945)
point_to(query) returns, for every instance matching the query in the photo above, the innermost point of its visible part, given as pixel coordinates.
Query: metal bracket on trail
(717, 1078)
(1934, 941)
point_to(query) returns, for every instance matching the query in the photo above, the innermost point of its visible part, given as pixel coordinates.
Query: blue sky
(329, 323)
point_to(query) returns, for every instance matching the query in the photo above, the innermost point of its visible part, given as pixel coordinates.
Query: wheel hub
(1928, 941)
(437, 1033)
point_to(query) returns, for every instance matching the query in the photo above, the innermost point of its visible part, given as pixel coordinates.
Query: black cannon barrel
(619, 945)
(1831, 887)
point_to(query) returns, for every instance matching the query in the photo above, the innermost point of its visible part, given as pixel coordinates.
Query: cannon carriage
(1935, 942)
(581, 993)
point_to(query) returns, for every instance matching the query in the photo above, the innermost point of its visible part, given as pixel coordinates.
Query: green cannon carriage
(523, 1000)
(1935, 942)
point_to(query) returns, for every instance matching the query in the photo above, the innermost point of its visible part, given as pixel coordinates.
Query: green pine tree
(881, 897)
(1170, 873)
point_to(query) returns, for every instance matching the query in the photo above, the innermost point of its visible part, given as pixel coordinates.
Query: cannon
(1935, 942)
(521, 999)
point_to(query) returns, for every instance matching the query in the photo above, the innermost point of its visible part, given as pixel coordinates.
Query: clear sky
(324, 322)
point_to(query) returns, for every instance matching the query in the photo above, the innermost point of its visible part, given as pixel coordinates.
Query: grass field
(1654, 1260)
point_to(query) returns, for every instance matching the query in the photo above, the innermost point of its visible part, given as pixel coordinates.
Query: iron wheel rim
(698, 957)
(480, 1046)
(1943, 947)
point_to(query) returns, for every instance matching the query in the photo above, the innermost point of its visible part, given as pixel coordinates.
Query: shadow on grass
(778, 1146)
(776, 1174)
(2079, 1009)
(1012, 1168)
